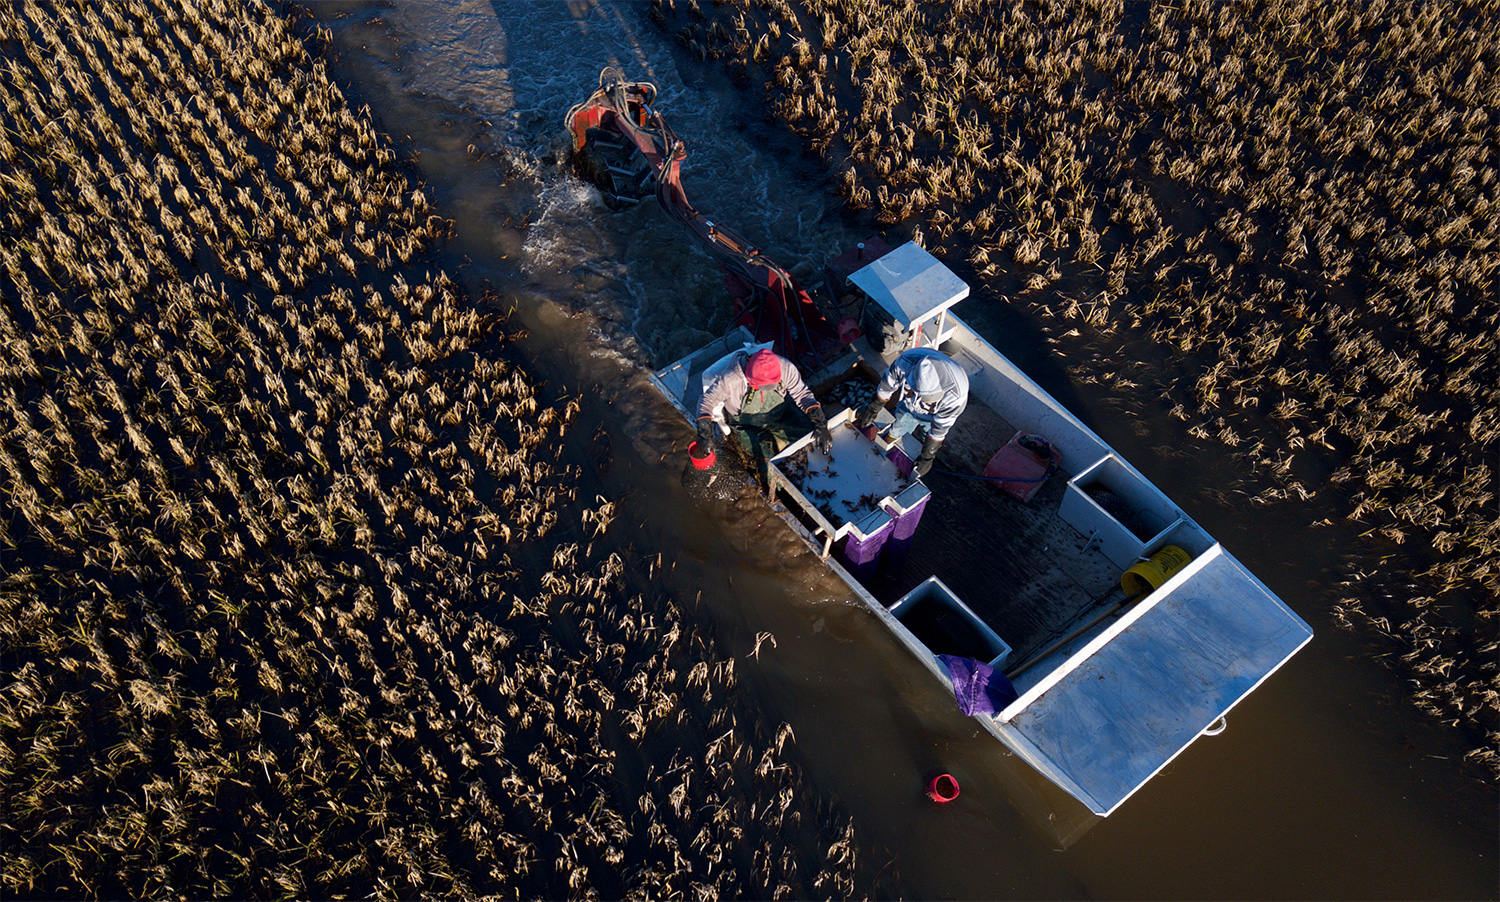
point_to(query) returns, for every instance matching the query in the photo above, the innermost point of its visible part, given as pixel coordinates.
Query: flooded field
(1275, 221)
(1328, 782)
(328, 578)
(304, 589)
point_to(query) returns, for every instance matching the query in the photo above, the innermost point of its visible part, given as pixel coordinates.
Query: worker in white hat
(930, 390)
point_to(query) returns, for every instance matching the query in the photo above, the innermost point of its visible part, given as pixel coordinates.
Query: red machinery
(622, 144)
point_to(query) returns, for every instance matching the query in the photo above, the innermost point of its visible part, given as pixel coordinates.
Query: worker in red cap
(761, 399)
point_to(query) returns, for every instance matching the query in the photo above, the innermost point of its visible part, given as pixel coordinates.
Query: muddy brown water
(1325, 785)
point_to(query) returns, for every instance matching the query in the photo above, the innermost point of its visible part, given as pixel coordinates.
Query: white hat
(923, 378)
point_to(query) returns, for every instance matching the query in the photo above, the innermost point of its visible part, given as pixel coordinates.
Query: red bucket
(701, 463)
(942, 789)
(849, 330)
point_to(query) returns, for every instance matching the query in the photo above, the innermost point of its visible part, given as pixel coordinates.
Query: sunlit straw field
(297, 594)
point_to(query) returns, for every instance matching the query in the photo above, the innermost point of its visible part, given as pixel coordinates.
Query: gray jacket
(941, 412)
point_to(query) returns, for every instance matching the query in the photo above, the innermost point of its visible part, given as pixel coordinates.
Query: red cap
(762, 369)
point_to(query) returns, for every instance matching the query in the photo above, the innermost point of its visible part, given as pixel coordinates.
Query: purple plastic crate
(906, 511)
(860, 552)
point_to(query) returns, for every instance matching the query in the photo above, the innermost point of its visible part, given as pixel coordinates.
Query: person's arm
(717, 395)
(946, 415)
(895, 375)
(923, 463)
(796, 389)
(707, 440)
(821, 436)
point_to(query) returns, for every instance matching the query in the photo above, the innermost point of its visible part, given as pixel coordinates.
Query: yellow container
(1151, 573)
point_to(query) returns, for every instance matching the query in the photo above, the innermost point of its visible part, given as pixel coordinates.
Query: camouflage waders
(768, 422)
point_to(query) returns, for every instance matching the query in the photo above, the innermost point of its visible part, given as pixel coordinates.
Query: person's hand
(822, 438)
(923, 463)
(706, 437)
(869, 412)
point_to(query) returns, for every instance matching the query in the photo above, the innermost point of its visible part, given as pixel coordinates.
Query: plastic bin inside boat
(943, 623)
(1023, 464)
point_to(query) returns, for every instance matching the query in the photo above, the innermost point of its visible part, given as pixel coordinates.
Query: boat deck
(1019, 567)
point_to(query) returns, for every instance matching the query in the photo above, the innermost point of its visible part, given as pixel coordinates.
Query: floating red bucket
(943, 788)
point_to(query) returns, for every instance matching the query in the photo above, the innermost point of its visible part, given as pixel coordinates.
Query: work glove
(823, 439)
(924, 461)
(707, 441)
(869, 412)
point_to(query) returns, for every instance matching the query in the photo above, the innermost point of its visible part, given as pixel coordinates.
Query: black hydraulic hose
(788, 286)
(1048, 475)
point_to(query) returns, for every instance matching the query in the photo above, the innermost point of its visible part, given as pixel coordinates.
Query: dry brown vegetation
(296, 597)
(1294, 203)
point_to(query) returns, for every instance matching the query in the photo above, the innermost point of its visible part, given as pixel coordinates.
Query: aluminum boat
(1124, 628)
(1111, 627)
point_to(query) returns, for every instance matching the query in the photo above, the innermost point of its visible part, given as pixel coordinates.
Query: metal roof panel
(911, 284)
(1125, 706)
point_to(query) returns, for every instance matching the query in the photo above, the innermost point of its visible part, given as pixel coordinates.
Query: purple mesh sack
(976, 685)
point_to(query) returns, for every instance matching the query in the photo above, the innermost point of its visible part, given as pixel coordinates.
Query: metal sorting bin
(883, 509)
(946, 626)
(1153, 513)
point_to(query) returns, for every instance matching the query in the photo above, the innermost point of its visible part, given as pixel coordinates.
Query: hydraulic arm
(623, 145)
